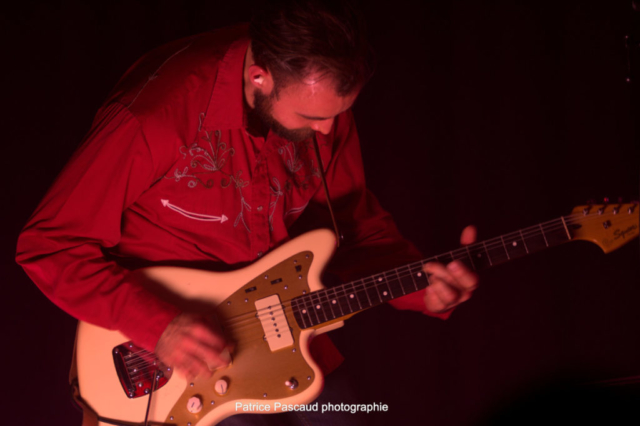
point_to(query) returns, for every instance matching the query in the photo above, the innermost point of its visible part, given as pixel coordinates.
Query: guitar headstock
(610, 226)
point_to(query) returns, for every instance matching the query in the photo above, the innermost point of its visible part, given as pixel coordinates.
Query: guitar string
(488, 245)
(323, 296)
(365, 283)
(456, 254)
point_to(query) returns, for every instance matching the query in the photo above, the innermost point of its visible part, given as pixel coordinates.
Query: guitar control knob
(221, 387)
(292, 383)
(194, 405)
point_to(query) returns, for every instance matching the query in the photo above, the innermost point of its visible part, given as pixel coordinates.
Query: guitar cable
(326, 190)
(153, 386)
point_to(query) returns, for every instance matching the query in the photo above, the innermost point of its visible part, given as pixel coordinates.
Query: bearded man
(210, 152)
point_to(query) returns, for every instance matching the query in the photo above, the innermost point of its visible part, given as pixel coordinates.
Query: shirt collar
(226, 108)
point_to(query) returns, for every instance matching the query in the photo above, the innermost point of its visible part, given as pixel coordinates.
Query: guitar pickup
(274, 323)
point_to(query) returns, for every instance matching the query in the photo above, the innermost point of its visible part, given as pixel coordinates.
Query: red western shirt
(169, 174)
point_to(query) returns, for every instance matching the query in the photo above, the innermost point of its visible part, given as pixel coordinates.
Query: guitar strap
(326, 190)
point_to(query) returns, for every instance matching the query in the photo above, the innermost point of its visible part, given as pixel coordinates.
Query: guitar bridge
(135, 368)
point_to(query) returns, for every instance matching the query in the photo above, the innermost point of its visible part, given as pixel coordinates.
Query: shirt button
(259, 208)
(259, 253)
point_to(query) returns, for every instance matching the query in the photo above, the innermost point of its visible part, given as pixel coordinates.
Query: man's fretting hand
(451, 284)
(191, 344)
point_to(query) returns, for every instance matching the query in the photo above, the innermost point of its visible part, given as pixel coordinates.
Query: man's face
(302, 108)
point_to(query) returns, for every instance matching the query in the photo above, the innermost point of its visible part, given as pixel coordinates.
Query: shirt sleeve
(372, 242)
(62, 246)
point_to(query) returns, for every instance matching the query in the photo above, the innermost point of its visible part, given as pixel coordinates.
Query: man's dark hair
(294, 38)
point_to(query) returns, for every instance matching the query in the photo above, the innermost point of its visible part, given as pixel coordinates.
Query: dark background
(502, 114)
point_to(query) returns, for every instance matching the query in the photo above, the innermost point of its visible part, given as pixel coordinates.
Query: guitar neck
(334, 303)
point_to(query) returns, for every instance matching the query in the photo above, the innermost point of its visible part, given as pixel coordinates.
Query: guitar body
(270, 366)
(259, 308)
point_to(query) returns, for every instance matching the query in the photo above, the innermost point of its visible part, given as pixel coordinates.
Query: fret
(487, 253)
(331, 302)
(346, 301)
(337, 301)
(313, 308)
(523, 241)
(305, 310)
(394, 286)
(479, 256)
(340, 301)
(468, 260)
(358, 290)
(564, 223)
(383, 288)
(365, 290)
(514, 245)
(505, 248)
(556, 233)
(405, 275)
(326, 304)
(397, 278)
(445, 258)
(421, 278)
(543, 236)
(375, 285)
(534, 239)
(316, 298)
(396, 281)
(496, 251)
(297, 313)
(372, 294)
(350, 296)
(450, 257)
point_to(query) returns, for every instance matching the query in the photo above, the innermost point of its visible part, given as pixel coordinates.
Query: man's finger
(206, 336)
(441, 296)
(193, 367)
(468, 235)
(464, 279)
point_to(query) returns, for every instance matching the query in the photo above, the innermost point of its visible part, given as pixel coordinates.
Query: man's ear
(261, 79)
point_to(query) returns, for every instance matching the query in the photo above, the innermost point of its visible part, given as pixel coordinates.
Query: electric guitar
(272, 309)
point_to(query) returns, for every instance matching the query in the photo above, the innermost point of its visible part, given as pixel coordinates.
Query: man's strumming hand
(452, 284)
(192, 345)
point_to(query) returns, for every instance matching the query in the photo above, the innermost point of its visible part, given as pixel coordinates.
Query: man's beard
(263, 106)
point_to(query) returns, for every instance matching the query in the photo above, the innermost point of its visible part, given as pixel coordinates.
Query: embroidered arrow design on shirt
(196, 216)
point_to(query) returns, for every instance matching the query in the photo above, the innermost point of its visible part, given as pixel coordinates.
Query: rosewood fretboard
(333, 303)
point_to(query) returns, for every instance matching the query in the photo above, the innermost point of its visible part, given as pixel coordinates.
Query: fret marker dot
(317, 306)
(304, 311)
(515, 243)
(380, 279)
(479, 254)
(419, 274)
(334, 301)
(351, 296)
(384, 293)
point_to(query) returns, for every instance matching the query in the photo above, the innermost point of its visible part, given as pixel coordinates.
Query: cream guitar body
(261, 374)
(272, 310)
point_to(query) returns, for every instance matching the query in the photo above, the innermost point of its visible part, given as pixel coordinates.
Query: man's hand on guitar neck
(452, 284)
(191, 344)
